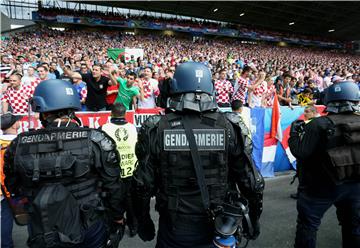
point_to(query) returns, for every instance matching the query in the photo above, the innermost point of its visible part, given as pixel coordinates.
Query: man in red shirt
(111, 93)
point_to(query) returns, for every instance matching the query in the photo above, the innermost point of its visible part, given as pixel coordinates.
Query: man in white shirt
(148, 90)
(30, 77)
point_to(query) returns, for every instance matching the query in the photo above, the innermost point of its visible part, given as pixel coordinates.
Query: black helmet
(342, 91)
(55, 94)
(192, 88)
(192, 77)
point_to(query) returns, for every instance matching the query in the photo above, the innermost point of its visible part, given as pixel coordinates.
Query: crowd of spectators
(253, 74)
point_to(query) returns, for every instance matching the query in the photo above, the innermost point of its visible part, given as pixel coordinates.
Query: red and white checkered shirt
(260, 90)
(223, 89)
(269, 100)
(18, 99)
(149, 89)
(241, 89)
(33, 85)
(257, 95)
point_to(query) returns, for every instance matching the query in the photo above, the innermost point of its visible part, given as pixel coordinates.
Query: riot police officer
(329, 150)
(68, 174)
(193, 159)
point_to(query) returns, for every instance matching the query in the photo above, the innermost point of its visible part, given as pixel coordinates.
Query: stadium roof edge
(310, 17)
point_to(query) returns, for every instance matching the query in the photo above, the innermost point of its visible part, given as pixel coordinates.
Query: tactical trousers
(94, 237)
(131, 220)
(184, 235)
(311, 209)
(6, 225)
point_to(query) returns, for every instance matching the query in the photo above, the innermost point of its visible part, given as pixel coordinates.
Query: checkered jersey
(260, 90)
(18, 99)
(149, 89)
(223, 89)
(241, 89)
(33, 85)
(269, 100)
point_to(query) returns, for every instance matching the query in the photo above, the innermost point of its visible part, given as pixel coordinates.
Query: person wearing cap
(9, 126)
(329, 150)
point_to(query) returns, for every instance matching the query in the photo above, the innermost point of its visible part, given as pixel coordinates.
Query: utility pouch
(55, 219)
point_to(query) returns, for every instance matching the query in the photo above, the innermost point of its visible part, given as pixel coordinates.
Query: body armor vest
(55, 170)
(179, 189)
(343, 147)
(125, 137)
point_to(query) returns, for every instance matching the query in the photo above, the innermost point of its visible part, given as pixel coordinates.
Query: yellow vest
(125, 137)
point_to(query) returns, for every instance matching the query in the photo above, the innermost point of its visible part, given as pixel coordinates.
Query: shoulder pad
(152, 121)
(102, 139)
(233, 117)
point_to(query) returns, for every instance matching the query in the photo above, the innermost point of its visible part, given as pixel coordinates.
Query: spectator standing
(164, 87)
(49, 75)
(16, 96)
(81, 89)
(43, 72)
(268, 99)
(96, 87)
(6, 68)
(54, 70)
(148, 90)
(284, 90)
(242, 85)
(83, 69)
(30, 78)
(224, 90)
(128, 93)
(112, 92)
(314, 89)
(257, 95)
(305, 98)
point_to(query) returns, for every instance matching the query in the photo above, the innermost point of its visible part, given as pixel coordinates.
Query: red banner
(95, 119)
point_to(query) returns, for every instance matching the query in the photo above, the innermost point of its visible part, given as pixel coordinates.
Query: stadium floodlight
(291, 23)
(215, 9)
(331, 30)
(242, 14)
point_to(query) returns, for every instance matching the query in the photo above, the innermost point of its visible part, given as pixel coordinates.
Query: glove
(146, 229)
(297, 127)
(116, 234)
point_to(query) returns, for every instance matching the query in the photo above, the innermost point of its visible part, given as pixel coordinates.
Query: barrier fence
(269, 154)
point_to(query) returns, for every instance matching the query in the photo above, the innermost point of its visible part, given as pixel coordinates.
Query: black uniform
(329, 150)
(166, 170)
(71, 177)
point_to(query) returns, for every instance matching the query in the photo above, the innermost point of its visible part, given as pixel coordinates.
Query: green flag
(116, 53)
